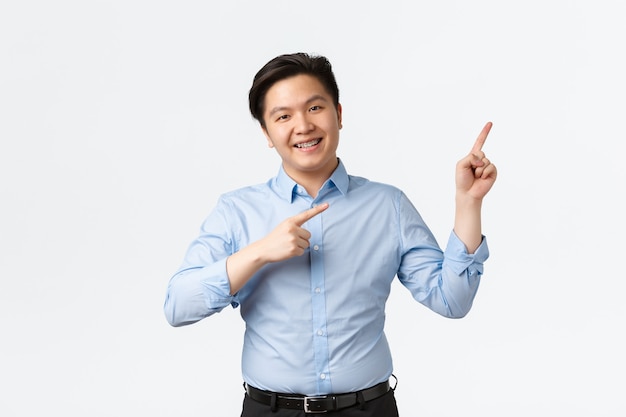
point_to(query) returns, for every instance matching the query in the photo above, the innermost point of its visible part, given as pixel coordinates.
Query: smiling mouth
(308, 144)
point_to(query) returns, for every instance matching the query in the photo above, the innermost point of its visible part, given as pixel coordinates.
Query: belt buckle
(306, 404)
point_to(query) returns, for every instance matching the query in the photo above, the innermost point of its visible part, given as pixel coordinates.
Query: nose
(303, 124)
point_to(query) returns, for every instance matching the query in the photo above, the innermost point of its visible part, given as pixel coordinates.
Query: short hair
(286, 66)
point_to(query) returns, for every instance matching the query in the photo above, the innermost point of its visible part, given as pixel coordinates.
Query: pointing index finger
(480, 141)
(301, 218)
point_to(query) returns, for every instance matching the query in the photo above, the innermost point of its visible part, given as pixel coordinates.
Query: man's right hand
(287, 240)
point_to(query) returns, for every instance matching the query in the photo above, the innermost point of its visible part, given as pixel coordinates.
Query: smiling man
(310, 255)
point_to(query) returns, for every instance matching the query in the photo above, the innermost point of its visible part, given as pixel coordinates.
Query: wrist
(256, 255)
(466, 201)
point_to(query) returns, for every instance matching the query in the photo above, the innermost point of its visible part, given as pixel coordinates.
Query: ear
(267, 136)
(339, 113)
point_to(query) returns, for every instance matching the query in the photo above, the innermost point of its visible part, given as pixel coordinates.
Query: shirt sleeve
(201, 287)
(461, 275)
(444, 281)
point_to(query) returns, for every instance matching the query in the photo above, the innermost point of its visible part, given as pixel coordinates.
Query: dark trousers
(384, 406)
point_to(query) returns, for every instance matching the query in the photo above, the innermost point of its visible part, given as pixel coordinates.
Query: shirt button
(318, 290)
(322, 376)
(316, 247)
(320, 333)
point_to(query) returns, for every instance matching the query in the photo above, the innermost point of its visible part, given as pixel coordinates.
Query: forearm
(467, 221)
(242, 265)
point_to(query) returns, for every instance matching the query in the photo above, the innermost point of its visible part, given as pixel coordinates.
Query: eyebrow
(311, 99)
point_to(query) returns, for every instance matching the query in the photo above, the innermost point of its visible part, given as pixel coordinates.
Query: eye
(315, 108)
(282, 117)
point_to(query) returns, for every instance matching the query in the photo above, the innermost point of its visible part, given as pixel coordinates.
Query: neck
(312, 181)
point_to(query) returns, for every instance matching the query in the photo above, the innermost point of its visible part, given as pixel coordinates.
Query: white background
(121, 122)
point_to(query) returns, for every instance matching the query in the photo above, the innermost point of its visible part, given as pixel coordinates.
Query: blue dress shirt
(315, 323)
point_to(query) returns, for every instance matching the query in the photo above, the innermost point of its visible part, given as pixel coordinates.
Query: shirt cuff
(459, 260)
(216, 287)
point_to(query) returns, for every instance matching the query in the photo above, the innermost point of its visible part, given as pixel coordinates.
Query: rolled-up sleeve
(444, 281)
(459, 260)
(196, 293)
(461, 275)
(201, 286)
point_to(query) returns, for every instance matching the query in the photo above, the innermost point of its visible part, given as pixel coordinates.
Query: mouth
(308, 144)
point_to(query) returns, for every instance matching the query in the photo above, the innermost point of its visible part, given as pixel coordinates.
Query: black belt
(317, 403)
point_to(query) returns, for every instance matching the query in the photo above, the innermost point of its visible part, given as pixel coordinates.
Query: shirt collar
(340, 178)
(286, 187)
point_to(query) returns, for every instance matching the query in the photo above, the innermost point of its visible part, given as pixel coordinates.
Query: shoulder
(361, 184)
(245, 193)
(246, 190)
(379, 194)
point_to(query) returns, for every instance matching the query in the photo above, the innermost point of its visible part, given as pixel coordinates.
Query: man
(310, 256)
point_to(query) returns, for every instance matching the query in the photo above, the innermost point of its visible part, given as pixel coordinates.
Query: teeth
(308, 144)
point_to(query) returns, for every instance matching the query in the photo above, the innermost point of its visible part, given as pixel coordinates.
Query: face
(302, 124)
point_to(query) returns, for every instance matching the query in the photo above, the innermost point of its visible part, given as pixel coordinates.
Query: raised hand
(475, 174)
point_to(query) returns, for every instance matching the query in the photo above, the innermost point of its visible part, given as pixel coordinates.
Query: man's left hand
(475, 174)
